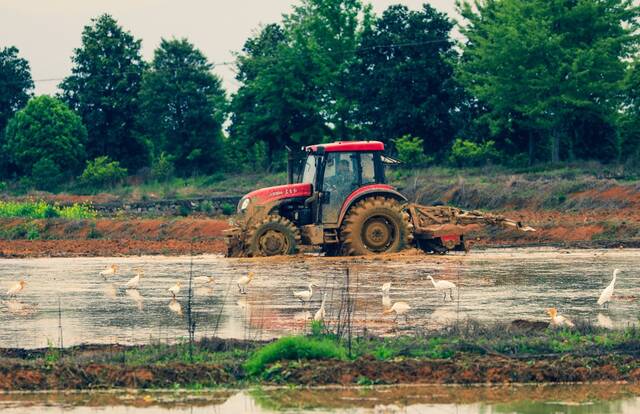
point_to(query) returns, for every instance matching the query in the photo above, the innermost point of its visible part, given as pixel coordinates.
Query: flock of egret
(399, 308)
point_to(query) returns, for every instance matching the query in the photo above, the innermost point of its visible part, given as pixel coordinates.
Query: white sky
(47, 31)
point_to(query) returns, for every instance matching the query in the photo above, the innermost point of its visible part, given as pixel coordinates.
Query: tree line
(530, 81)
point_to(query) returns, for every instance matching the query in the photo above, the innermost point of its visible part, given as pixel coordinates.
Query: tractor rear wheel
(376, 225)
(272, 236)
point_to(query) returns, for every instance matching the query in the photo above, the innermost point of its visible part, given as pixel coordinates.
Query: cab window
(309, 170)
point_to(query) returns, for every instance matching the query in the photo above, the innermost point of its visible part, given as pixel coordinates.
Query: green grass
(294, 348)
(43, 210)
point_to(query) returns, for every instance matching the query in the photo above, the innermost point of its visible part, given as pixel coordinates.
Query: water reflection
(494, 285)
(542, 399)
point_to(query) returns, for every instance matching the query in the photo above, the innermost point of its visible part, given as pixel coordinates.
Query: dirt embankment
(27, 375)
(566, 211)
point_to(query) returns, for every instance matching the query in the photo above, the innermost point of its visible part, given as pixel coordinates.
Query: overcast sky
(47, 31)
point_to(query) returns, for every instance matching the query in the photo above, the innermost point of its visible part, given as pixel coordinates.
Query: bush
(45, 129)
(465, 153)
(42, 210)
(293, 348)
(46, 175)
(411, 150)
(228, 209)
(102, 172)
(162, 168)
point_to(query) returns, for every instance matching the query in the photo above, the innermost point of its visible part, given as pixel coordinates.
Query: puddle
(495, 285)
(539, 399)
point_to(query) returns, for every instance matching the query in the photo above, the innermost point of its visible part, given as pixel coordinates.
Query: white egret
(175, 289)
(134, 282)
(559, 320)
(443, 286)
(204, 280)
(320, 314)
(607, 293)
(109, 271)
(244, 281)
(386, 288)
(304, 295)
(399, 308)
(16, 288)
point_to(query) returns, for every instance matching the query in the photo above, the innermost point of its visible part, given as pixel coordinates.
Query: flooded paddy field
(539, 399)
(65, 299)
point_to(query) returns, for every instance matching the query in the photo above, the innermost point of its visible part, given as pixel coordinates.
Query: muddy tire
(376, 225)
(273, 236)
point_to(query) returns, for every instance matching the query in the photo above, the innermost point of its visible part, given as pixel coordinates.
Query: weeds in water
(294, 348)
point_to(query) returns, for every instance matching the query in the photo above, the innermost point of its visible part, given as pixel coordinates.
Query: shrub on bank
(294, 348)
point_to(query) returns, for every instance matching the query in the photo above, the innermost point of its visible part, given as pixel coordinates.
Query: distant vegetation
(533, 81)
(42, 210)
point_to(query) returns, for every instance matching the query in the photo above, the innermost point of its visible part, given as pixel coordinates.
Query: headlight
(244, 204)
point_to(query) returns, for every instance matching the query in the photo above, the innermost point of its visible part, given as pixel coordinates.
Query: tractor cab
(336, 171)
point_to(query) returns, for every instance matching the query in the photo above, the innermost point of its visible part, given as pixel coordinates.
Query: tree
(630, 118)
(548, 67)
(183, 107)
(277, 101)
(403, 78)
(46, 129)
(103, 88)
(327, 33)
(15, 84)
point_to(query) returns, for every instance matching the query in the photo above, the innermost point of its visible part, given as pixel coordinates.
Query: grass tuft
(294, 348)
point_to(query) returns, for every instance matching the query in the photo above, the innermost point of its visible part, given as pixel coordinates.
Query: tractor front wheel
(376, 225)
(274, 235)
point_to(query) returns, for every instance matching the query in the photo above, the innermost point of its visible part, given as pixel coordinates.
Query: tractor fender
(366, 192)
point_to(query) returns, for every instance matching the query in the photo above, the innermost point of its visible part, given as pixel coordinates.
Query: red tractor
(342, 204)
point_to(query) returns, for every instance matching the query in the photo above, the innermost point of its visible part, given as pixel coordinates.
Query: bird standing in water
(607, 293)
(134, 282)
(109, 271)
(175, 289)
(320, 314)
(304, 295)
(559, 320)
(443, 286)
(399, 308)
(16, 288)
(244, 281)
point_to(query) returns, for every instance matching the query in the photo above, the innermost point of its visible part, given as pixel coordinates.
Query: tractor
(340, 202)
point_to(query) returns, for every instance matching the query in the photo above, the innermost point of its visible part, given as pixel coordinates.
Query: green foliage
(15, 84)
(228, 209)
(103, 88)
(43, 210)
(410, 151)
(466, 153)
(293, 348)
(162, 168)
(183, 108)
(102, 172)
(46, 174)
(409, 89)
(45, 136)
(549, 73)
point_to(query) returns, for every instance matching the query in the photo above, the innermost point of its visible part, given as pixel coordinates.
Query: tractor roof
(344, 146)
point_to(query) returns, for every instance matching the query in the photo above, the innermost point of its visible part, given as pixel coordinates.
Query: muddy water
(68, 298)
(541, 399)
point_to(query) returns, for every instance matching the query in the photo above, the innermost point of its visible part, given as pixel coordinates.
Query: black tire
(273, 236)
(376, 225)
